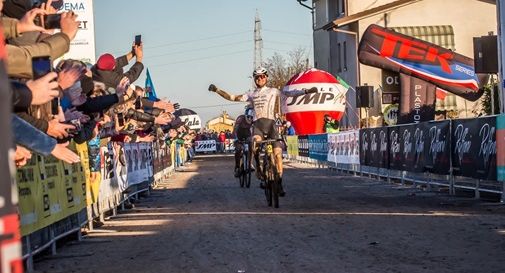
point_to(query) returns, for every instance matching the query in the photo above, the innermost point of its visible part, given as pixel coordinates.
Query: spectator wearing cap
(109, 70)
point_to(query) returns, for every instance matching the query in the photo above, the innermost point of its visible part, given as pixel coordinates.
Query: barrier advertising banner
(395, 154)
(474, 147)
(205, 146)
(500, 147)
(437, 144)
(292, 143)
(82, 46)
(379, 155)
(303, 146)
(318, 147)
(343, 148)
(49, 190)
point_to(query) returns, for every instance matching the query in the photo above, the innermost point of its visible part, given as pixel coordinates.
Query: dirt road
(202, 221)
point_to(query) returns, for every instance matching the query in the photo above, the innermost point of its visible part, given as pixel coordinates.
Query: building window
(340, 8)
(345, 56)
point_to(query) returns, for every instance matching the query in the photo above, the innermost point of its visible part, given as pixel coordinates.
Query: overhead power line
(201, 39)
(286, 32)
(197, 49)
(201, 58)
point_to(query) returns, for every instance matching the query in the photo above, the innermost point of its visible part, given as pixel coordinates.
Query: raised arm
(294, 93)
(224, 94)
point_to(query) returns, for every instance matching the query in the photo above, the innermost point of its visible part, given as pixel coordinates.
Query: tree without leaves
(281, 70)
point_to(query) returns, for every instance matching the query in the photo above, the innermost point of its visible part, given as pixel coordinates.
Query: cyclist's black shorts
(266, 127)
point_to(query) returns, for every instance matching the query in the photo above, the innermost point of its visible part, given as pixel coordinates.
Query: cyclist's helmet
(249, 112)
(260, 71)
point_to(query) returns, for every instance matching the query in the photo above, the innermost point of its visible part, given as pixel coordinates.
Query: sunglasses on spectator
(260, 77)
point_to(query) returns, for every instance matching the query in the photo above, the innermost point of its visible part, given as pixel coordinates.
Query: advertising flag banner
(82, 46)
(417, 100)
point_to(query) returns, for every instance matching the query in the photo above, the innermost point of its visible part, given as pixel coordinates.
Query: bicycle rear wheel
(241, 178)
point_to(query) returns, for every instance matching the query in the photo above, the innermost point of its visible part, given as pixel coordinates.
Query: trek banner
(474, 147)
(389, 50)
(318, 147)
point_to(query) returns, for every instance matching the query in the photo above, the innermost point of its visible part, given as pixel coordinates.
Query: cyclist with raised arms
(263, 98)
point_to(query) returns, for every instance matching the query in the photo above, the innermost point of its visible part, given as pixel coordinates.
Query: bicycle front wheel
(246, 175)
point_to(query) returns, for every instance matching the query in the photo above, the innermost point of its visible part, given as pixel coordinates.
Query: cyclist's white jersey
(263, 100)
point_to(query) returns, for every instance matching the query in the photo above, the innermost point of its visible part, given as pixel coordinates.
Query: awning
(440, 35)
(368, 13)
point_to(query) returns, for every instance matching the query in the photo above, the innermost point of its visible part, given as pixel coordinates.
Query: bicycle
(270, 173)
(244, 167)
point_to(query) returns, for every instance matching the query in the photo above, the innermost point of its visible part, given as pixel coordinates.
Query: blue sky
(190, 44)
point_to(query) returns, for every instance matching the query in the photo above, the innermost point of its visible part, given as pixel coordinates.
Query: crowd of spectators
(73, 100)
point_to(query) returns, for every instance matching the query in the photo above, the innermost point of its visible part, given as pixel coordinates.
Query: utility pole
(258, 42)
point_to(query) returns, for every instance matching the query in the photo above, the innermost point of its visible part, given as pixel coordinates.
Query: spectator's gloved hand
(22, 156)
(57, 129)
(26, 23)
(61, 152)
(44, 89)
(69, 24)
(212, 88)
(67, 77)
(311, 90)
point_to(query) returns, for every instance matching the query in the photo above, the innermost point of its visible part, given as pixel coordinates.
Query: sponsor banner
(82, 46)
(49, 190)
(474, 147)
(411, 148)
(10, 244)
(417, 100)
(306, 111)
(205, 146)
(343, 148)
(395, 151)
(500, 147)
(192, 121)
(318, 147)
(364, 147)
(389, 50)
(303, 146)
(136, 154)
(229, 145)
(437, 146)
(292, 143)
(379, 147)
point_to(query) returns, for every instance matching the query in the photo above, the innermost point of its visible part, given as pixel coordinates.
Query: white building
(339, 24)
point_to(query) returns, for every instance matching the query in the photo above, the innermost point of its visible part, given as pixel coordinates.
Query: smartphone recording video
(120, 119)
(41, 66)
(52, 21)
(138, 40)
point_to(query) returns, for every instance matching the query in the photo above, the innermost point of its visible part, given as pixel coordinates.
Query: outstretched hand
(212, 88)
(311, 90)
